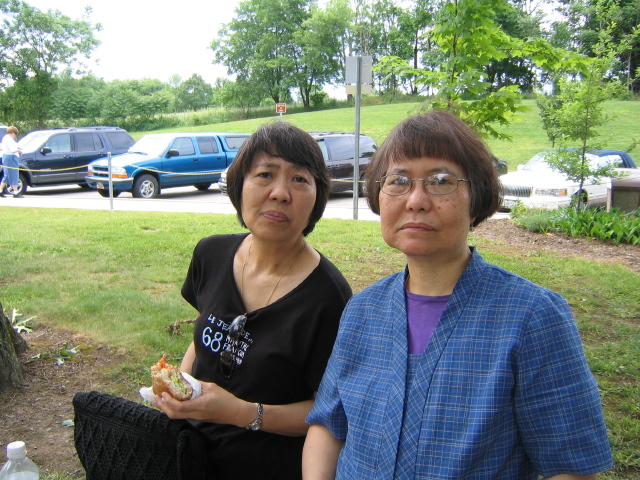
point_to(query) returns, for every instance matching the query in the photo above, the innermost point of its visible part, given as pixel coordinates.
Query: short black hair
(439, 134)
(281, 139)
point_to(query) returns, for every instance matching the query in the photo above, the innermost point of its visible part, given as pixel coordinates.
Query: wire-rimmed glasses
(228, 356)
(436, 184)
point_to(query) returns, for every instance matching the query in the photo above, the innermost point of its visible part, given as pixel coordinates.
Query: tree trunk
(11, 345)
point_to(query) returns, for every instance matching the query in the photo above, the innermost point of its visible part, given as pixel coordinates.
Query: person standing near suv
(10, 153)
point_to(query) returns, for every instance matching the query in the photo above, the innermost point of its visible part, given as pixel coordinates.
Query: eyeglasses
(227, 356)
(436, 184)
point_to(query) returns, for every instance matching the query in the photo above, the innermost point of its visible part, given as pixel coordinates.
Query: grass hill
(526, 132)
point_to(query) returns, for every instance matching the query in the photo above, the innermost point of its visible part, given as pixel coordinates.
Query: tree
(411, 37)
(319, 45)
(548, 105)
(580, 110)
(468, 39)
(11, 345)
(33, 46)
(73, 98)
(239, 94)
(28, 100)
(585, 20)
(266, 29)
(520, 22)
(193, 94)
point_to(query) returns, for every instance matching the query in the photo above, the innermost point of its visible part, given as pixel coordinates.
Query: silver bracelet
(257, 423)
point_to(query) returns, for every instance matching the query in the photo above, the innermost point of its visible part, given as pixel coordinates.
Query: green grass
(526, 132)
(115, 277)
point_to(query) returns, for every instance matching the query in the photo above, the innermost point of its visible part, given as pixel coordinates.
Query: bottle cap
(16, 450)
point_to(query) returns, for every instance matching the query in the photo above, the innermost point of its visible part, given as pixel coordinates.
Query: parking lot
(180, 199)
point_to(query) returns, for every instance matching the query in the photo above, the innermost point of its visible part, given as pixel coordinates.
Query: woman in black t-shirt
(269, 307)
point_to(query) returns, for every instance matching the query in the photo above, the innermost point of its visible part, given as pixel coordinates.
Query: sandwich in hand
(168, 378)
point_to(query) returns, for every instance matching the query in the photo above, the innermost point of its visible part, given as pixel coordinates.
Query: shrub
(614, 226)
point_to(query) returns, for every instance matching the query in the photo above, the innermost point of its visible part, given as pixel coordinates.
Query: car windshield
(154, 145)
(539, 162)
(32, 141)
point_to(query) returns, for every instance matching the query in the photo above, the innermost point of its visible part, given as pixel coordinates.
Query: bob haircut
(439, 134)
(12, 129)
(281, 139)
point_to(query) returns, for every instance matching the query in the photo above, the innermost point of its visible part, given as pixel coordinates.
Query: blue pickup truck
(164, 160)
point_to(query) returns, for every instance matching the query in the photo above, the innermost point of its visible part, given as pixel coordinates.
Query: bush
(613, 226)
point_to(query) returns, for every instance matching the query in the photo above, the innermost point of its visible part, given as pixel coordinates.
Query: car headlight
(118, 172)
(552, 192)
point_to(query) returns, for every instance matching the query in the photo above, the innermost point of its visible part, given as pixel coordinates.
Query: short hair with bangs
(281, 139)
(442, 135)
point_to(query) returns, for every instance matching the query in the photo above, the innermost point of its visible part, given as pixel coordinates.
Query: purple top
(423, 316)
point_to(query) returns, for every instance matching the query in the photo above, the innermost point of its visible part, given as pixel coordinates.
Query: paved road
(180, 199)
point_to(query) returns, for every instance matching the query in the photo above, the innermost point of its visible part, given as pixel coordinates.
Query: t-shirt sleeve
(558, 405)
(192, 281)
(333, 293)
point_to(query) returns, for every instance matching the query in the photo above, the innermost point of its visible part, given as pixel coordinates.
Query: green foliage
(548, 104)
(258, 28)
(320, 45)
(35, 45)
(468, 39)
(577, 110)
(613, 226)
(193, 94)
(18, 324)
(535, 221)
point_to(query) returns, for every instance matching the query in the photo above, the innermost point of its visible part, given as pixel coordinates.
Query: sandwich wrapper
(149, 396)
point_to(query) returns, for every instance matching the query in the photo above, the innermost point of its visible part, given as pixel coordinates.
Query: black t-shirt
(281, 354)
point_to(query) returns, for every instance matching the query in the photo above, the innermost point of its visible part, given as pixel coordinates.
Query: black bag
(117, 439)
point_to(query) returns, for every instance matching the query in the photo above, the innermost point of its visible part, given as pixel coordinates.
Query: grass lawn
(116, 276)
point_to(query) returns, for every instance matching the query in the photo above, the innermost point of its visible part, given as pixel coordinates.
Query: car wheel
(582, 197)
(146, 186)
(22, 186)
(202, 186)
(105, 193)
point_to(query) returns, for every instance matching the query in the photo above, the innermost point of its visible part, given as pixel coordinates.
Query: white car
(537, 185)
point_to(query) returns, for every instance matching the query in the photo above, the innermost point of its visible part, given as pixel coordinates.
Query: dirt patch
(36, 412)
(518, 239)
(39, 412)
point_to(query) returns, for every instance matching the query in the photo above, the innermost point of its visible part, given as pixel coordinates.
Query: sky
(156, 39)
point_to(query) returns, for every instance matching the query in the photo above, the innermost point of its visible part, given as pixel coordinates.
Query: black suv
(61, 155)
(338, 150)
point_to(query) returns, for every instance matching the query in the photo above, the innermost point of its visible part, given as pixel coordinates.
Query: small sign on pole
(281, 108)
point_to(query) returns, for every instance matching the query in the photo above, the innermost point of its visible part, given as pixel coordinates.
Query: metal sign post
(356, 142)
(358, 72)
(281, 108)
(110, 181)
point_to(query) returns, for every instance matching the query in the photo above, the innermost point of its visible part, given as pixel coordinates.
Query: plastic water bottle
(19, 466)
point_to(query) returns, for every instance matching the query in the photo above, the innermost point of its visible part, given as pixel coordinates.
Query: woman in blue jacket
(453, 368)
